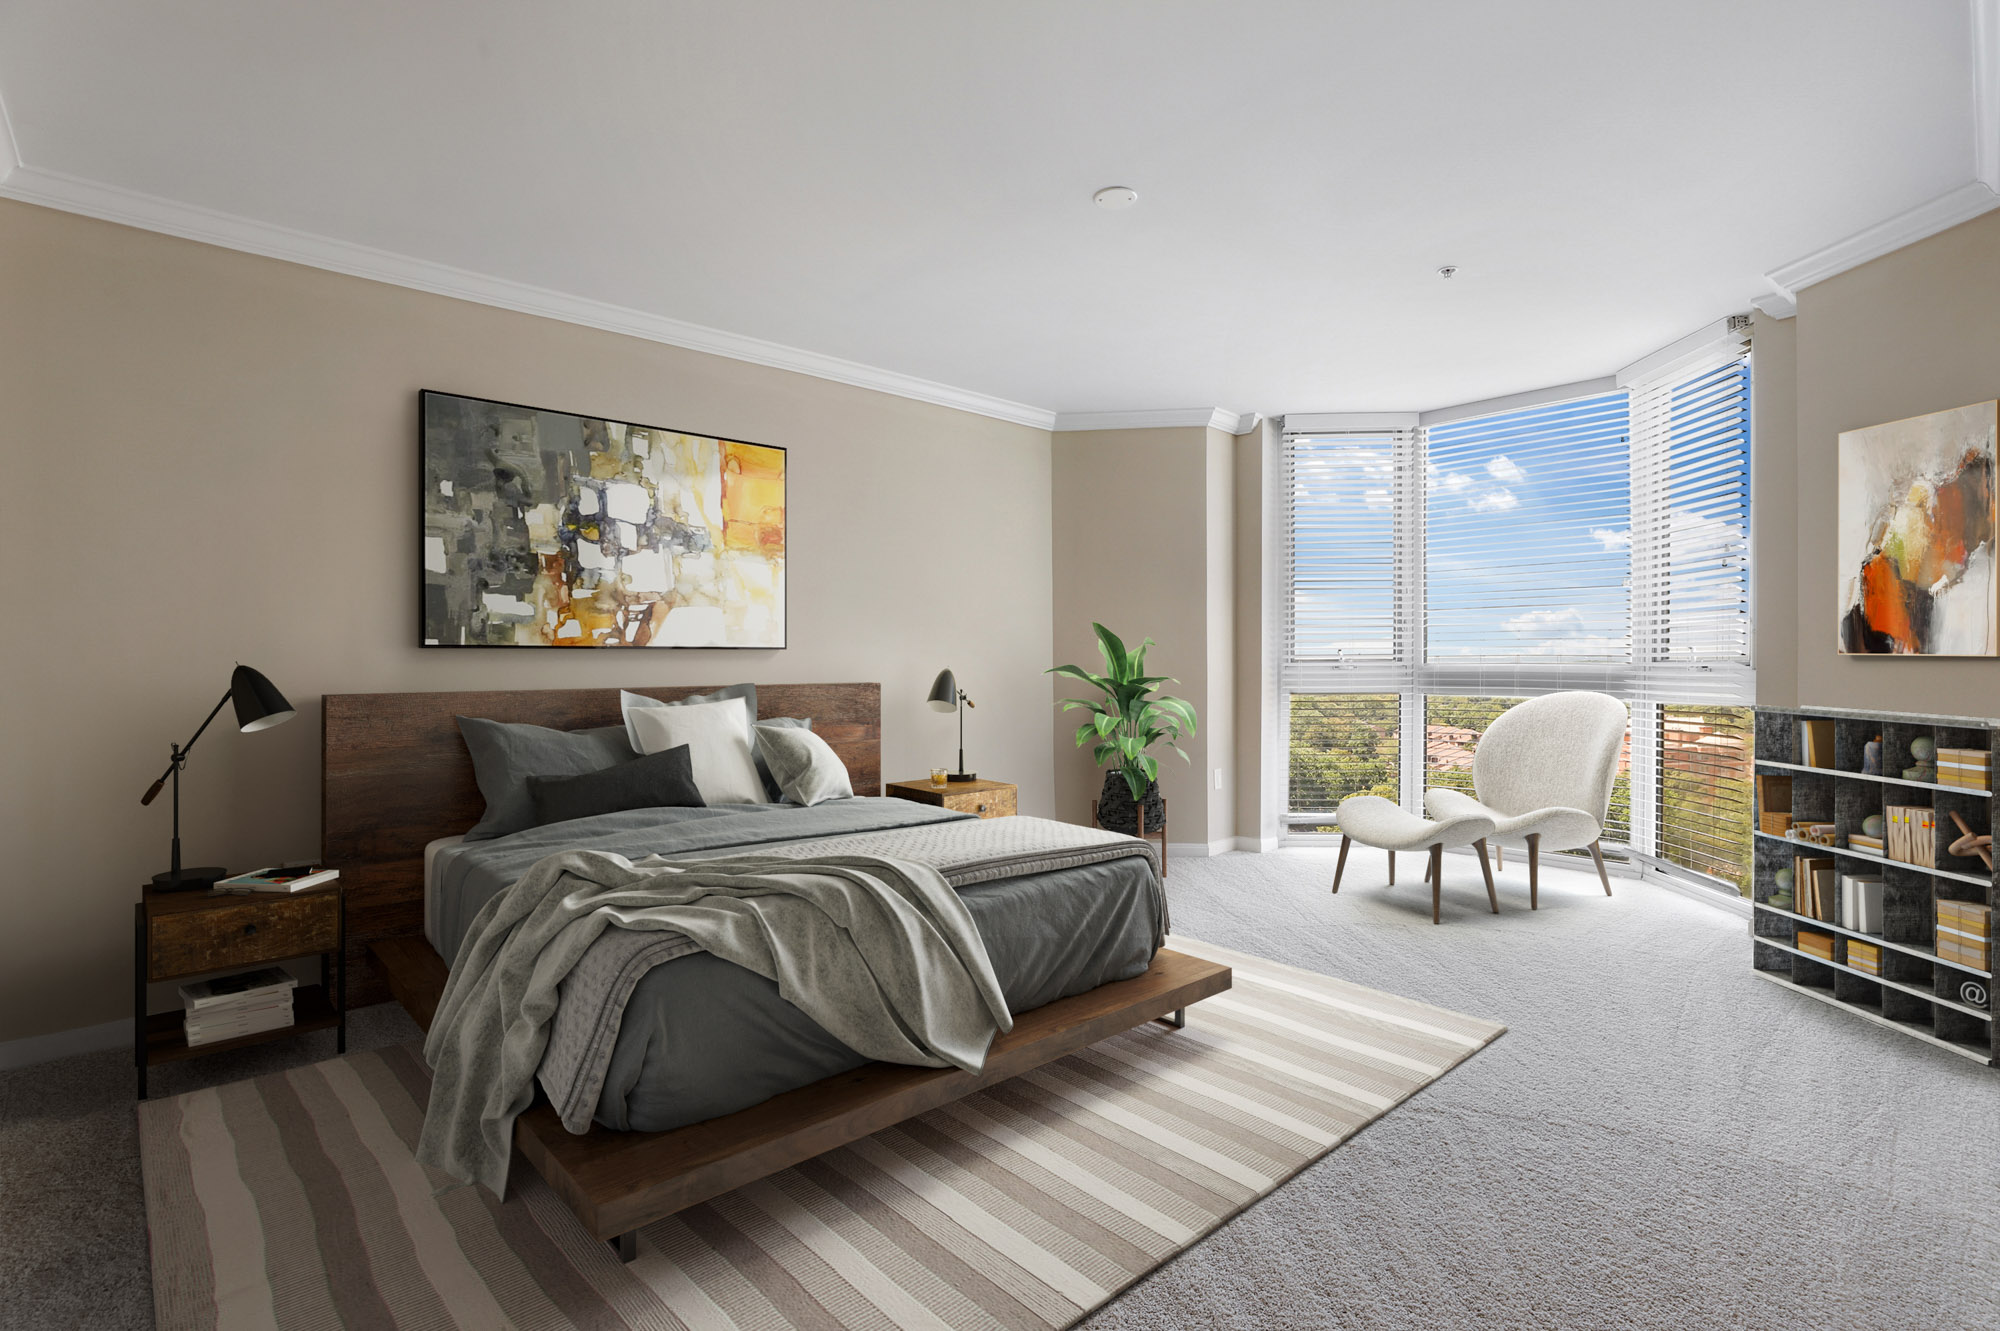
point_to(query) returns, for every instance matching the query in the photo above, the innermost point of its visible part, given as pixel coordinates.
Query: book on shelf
(1816, 944)
(279, 878)
(1965, 933)
(202, 1031)
(1970, 769)
(1862, 841)
(1816, 741)
(1860, 903)
(1864, 957)
(1774, 793)
(242, 990)
(1813, 887)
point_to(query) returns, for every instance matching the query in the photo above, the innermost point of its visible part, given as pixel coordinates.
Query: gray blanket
(880, 952)
(584, 1031)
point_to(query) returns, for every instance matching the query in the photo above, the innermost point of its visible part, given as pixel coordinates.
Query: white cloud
(1505, 469)
(1454, 481)
(1568, 620)
(1612, 540)
(1495, 501)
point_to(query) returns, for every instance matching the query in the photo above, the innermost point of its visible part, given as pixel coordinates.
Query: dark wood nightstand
(988, 799)
(180, 934)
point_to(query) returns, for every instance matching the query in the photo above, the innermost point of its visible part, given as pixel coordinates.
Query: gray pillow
(628, 702)
(663, 780)
(505, 754)
(807, 769)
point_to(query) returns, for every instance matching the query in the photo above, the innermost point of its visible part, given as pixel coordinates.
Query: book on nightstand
(235, 1005)
(279, 878)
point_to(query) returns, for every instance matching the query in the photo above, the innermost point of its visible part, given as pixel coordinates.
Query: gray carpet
(1659, 1140)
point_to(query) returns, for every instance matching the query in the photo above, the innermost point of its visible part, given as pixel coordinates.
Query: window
(1439, 569)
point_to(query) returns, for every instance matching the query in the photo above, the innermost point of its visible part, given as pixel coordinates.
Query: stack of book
(1816, 742)
(1862, 841)
(279, 878)
(1965, 933)
(1912, 834)
(1860, 903)
(1818, 945)
(1814, 888)
(1971, 769)
(1864, 957)
(238, 1005)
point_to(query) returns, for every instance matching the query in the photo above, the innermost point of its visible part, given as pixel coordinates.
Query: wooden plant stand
(1144, 833)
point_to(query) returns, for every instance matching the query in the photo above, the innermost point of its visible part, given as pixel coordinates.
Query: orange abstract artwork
(1916, 536)
(544, 529)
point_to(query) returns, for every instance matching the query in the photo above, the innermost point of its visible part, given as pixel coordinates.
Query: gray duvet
(701, 1036)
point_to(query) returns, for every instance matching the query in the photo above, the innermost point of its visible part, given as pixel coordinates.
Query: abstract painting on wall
(1917, 522)
(543, 529)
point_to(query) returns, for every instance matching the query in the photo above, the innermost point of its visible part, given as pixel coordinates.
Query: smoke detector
(1448, 272)
(1114, 197)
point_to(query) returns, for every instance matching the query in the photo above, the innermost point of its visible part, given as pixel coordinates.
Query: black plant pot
(1117, 813)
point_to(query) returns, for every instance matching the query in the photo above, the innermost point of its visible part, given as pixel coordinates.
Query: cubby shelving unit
(1916, 994)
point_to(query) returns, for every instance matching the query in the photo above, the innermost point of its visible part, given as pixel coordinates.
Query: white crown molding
(1776, 304)
(130, 208)
(1172, 418)
(1986, 92)
(1926, 219)
(1334, 422)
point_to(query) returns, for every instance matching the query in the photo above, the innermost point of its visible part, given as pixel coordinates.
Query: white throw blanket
(880, 952)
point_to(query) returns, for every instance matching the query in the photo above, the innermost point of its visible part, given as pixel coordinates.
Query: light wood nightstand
(176, 935)
(988, 799)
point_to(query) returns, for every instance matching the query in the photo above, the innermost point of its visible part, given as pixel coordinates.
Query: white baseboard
(1256, 845)
(61, 1044)
(1200, 850)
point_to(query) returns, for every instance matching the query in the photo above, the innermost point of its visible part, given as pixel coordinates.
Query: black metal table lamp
(259, 706)
(946, 697)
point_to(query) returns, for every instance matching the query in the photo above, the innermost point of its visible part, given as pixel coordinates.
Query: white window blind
(1527, 548)
(1597, 541)
(1347, 499)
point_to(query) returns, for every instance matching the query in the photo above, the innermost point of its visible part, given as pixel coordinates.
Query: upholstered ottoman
(1386, 825)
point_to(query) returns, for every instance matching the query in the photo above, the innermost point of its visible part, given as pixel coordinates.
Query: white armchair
(1543, 773)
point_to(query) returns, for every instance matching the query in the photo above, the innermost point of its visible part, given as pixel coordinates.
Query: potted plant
(1129, 720)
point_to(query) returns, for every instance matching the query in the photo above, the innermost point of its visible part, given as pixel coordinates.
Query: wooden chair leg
(1602, 876)
(1392, 868)
(1492, 897)
(1340, 865)
(1499, 856)
(1427, 870)
(1437, 881)
(1534, 871)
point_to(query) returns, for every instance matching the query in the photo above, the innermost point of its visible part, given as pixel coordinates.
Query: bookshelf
(1917, 993)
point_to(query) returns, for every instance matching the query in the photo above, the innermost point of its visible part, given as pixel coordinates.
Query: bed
(752, 1085)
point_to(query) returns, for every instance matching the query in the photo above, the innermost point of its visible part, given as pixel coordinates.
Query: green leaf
(1113, 649)
(1078, 672)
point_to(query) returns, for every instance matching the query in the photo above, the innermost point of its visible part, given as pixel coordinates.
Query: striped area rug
(293, 1200)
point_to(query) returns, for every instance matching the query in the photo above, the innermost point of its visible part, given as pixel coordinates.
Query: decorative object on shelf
(946, 696)
(1872, 825)
(1912, 834)
(1780, 900)
(1774, 804)
(1923, 750)
(1973, 994)
(1971, 843)
(1916, 535)
(1783, 880)
(544, 529)
(1123, 726)
(259, 706)
(1871, 757)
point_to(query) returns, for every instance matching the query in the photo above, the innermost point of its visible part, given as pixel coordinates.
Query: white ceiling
(907, 185)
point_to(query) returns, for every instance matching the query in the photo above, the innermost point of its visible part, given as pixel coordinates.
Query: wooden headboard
(395, 776)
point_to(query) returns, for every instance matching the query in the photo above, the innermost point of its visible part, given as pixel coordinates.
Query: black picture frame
(424, 583)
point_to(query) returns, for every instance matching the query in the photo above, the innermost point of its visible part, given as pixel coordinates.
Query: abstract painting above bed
(1916, 536)
(544, 529)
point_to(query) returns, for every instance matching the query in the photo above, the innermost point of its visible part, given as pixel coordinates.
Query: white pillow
(805, 766)
(718, 747)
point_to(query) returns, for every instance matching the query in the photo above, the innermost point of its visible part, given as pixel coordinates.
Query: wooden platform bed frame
(396, 776)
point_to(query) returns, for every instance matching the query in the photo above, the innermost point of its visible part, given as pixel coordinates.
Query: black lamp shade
(944, 692)
(259, 705)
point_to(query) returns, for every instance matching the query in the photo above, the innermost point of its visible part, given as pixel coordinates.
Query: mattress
(702, 1037)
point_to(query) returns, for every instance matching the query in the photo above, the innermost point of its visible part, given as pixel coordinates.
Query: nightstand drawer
(195, 941)
(985, 803)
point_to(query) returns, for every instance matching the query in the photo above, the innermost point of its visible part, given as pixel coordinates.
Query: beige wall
(212, 457)
(1135, 551)
(1912, 332)
(1774, 510)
